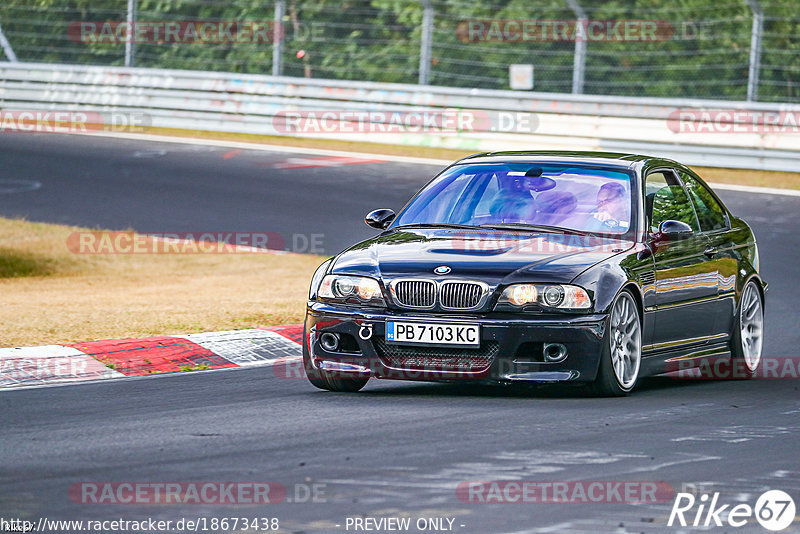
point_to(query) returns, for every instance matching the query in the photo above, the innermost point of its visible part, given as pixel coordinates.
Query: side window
(665, 199)
(709, 212)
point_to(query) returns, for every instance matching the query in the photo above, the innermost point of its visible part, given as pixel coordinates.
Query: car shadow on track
(647, 386)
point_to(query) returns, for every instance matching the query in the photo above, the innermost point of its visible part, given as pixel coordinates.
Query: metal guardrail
(255, 104)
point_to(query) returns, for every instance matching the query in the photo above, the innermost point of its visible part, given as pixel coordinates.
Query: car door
(685, 279)
(720, 250)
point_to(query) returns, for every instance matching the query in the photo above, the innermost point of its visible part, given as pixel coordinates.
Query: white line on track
(270, 148)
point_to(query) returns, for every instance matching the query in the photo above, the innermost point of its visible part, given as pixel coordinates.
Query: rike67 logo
(774, 510)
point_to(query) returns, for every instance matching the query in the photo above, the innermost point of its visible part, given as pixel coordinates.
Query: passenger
(555, 207)
(514, 203)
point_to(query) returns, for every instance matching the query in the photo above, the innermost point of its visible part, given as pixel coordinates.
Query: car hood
(492, 256)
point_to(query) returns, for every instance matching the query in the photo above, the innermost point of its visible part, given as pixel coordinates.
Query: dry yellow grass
(51, 295)
(787, 180)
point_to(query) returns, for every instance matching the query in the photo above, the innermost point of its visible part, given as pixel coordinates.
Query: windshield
(576, 198)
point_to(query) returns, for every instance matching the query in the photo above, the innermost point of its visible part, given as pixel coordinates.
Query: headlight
(351, 288)
(317, 278)
(564, 297)
(521, 294)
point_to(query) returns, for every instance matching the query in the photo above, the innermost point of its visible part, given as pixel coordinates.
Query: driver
(517, 202)
(612, 209)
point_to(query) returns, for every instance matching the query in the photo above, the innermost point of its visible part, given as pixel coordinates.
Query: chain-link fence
(724, 49)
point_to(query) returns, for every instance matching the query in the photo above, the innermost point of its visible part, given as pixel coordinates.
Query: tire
(621, 357)
(747, 339)
(326, 380)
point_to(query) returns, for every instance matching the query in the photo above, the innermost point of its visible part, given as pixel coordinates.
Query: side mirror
(675, 229)
(379, 219)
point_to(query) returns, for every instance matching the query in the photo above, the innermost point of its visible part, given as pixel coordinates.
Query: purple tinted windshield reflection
(584, 199)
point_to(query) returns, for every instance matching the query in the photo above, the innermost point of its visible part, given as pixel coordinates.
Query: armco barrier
(227, 102)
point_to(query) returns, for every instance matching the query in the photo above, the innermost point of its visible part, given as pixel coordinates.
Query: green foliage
(670, 202)
(706, 55)
(15, 264)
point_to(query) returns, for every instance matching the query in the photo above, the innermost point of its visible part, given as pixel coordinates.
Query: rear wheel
(748, 332)
(330, 381)
(621, 356)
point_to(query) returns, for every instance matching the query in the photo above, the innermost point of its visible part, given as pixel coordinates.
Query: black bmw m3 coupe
(575, 267)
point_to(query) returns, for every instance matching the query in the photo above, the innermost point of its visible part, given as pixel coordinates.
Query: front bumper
(511, 350)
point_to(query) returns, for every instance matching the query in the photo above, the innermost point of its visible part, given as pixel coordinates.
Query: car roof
(606, 159)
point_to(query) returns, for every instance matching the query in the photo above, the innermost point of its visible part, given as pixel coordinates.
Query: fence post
(755, 50)
(426, 42)
(277, 38)
(579, 59)
(130, 44)
(10, 55)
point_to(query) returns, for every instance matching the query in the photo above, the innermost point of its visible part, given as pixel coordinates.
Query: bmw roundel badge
(442, 269)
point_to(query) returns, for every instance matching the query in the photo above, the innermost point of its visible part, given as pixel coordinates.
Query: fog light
(329, 341)
(554, 352)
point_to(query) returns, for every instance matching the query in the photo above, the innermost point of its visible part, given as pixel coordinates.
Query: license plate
(468, 335)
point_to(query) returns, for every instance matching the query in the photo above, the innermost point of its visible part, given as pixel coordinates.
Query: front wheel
(748, 333)
(621, 356)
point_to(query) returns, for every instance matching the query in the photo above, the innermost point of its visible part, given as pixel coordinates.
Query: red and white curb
(119, 358)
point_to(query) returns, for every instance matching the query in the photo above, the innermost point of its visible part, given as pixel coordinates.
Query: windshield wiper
(535, 227)
(434, 225)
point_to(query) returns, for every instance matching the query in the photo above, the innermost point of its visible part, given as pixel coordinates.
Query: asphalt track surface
(396, 448)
